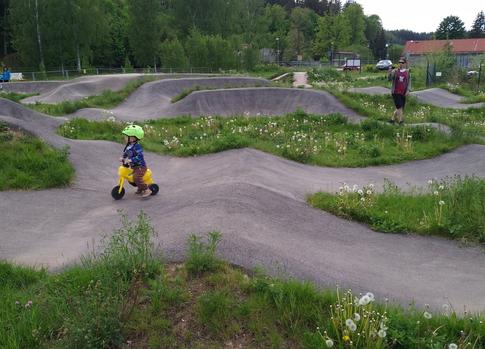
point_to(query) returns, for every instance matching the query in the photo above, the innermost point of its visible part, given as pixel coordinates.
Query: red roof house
(462, 48)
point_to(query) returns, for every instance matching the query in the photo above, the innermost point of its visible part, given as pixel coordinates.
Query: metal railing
(64, 74)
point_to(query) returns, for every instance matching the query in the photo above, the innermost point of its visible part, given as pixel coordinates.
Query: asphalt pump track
(257, 201)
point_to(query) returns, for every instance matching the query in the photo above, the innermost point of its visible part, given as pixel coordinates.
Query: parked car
(384, 64)
(471, 73)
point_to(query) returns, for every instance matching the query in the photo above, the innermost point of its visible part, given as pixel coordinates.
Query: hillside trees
(145, 30)
(215, 34)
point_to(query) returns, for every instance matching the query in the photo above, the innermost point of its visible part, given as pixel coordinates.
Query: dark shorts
(399, 100)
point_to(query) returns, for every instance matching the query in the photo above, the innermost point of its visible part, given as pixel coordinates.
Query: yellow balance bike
(126, 174)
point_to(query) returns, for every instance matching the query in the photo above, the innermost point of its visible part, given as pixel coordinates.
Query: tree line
(218, 34)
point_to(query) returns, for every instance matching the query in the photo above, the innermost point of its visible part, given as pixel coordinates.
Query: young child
(133, 155)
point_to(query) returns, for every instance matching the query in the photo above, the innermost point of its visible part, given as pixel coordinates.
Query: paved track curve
(257, 201)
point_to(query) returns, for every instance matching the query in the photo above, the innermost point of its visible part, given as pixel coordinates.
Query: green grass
(84, 306)
(108, 99)
(188, 91)
(343, 80)
(269, 71)
(312, 139)
(467, 123)
(16, 97)
(453, 208)
(469, 90)
(28, 163)
(126, 297)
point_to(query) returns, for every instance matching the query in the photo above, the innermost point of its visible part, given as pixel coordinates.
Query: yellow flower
(346, 338)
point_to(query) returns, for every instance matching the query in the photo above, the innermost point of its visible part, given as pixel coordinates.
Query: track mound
(263, 101)
(153, 99)
(83, 87)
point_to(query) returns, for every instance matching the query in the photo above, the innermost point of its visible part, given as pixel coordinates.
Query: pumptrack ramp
(153, 100)
(257, 201)
(82, 87)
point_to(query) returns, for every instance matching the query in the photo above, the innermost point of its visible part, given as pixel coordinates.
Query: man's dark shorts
(399, 100)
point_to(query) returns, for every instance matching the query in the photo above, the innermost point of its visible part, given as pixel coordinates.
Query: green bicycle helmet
(134, 131)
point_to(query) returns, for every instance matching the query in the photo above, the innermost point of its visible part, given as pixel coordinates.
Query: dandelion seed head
(381, 333)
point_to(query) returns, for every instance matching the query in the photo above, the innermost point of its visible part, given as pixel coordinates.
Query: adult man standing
(401, 83)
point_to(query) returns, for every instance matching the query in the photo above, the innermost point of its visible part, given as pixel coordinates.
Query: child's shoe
(146, 193)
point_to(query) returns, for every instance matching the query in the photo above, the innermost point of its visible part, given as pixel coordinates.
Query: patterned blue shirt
(134, 152)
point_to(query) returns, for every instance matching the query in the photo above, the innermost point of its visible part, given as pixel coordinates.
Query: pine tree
(478, 27)
(451, 27)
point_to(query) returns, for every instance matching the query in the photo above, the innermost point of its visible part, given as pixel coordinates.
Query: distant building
(463, 49)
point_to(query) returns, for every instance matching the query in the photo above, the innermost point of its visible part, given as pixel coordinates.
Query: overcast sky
(421, 15)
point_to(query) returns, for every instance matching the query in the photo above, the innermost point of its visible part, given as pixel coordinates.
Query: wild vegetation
(320, 140)
(125, 296)
(28, 163)
(451, 207)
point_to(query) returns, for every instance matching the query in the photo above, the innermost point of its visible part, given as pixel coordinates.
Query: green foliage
(321, 140)
(17, 277)
(14, 96)
(354, 14)
(201, 256)
(106, 302)
(127, 66)
(451, 208)
(451, 27)
(215, 311)
(465, 124)
(28, 163)
(144, 30)
(172, 55)
(478, 26)
(82, 307)
(332, 35)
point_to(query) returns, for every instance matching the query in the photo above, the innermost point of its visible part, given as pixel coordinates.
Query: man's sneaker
(401, 123)
(146, 193)
(391, 121)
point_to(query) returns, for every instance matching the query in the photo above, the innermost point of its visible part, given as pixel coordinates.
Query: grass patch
(124, 296)
(467, 123)
(29, 163)
(108, 99)
(188, 91)
(269, 71)
(84, 306)
(452, 208)
(468, 90)
(346, 80)
(312, 139)
(16, 97)
(201, 256)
